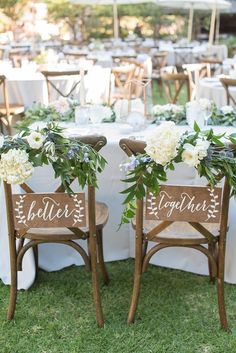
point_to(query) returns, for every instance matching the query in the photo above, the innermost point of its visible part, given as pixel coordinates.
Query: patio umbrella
(192, 5)
(115, 4)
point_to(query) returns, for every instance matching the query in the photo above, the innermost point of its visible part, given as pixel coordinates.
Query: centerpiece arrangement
(70, 158)
(65, 110)
(205, 151)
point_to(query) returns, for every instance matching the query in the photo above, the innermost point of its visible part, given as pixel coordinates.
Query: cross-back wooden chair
(174, 82)
(8, 110)
(50, 76)
(122, 75)
(215, 65)
(196, 72)
(158, 62)
(87, 223)
(150, 222)
(227, 84)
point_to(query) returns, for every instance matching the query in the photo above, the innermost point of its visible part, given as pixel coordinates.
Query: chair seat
(13, 108)
(65, 233)
(178, 230)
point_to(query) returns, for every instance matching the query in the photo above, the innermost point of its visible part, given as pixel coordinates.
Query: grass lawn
(177, 314)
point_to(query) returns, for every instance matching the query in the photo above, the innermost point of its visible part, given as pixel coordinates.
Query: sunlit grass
(177, 313)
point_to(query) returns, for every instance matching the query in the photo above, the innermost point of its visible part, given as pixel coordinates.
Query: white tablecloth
(27, 87)
(117, 244)
(212, 89)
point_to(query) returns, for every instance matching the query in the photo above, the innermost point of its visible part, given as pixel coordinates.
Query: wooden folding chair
(196, 72)
(82, 220)
(227, 84)
(122, 75)
(8, 110)
(211, 206)
(50, 76)
(173, 83)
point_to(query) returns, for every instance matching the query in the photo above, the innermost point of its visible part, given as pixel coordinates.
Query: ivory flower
(227, 109)
(15, 167)
(61, 105)
(35, 139)
(190, 155)
(99, 112)
(202, 146)
(162, 145)
(1, 140)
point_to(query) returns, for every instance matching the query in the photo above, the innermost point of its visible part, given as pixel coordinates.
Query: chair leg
(212, 249)
(36, 259)
(101, 257)
(220, 287)
(137, 279)
(95, 284)
(13, 288)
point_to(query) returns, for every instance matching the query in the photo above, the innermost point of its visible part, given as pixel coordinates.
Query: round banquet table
(212, 89)
(117, 244)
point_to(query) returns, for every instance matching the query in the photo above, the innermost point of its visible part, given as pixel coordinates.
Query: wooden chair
(158, 62)
(8, 110)
(173, 83)
(148, 227)
(122, 75)
(215, 65)
(68, 74)
(89, 218)
(196, 72)
(227, 83)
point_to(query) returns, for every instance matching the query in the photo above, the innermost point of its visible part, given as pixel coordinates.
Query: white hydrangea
(161, 109)
(163, 144)
(227, 109)
(35, 139)
(15, 167)
(1, 141)
(61, 105)
(158, 109)
(99, 112)
(205, 104)
(192, 155)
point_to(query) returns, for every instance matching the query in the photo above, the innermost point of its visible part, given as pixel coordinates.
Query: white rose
(176, 109)
(205, 104)
(1, 141)
(190, 155)
(121, 109)
(158, 109)
(99, 112)
(35, 139)
(227, 109)
(61, 105)
(15, 167)
(162, 145)
(202, 146)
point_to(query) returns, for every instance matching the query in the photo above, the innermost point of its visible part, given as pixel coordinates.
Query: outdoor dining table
(211, 88)
(26, 86)
(118, 244)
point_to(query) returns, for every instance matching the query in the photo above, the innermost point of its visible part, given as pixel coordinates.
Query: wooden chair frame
(214, 253)
(227, 83)
(5, 119)
(56, 74)
(173, 83)
(196, 72)
(93, 234)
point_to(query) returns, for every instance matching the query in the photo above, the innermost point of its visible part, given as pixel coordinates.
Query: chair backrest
(173, 82)
(74, 75)
(159, 60)
(192, 204)
(227, 83)
(196, 72)
(57, 209)
(4, 119)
